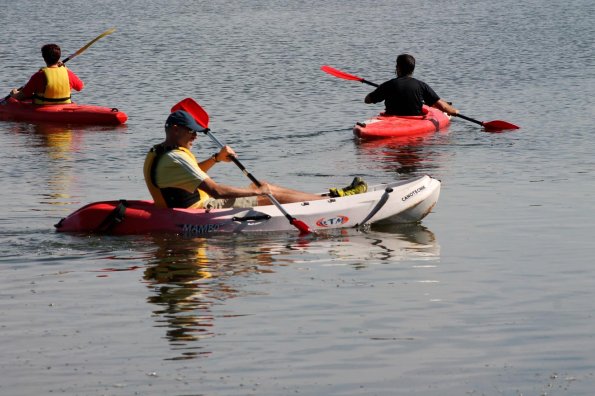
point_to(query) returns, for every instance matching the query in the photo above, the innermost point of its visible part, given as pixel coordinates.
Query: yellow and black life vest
(169, 197)
(57, 87)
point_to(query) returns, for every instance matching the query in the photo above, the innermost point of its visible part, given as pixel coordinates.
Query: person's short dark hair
(51, 54)
(406, 64)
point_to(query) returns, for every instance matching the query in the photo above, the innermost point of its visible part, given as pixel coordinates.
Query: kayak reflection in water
(51, 84)
(176, 179)
(405, 95)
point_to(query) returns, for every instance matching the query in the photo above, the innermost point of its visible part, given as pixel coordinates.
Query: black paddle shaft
(233, 158)
(469, 119)
(369, 83)
(245, 171)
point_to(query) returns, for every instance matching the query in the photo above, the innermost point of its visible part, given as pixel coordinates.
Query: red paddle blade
(301, 226)
(498, 125)
(338, 73)
(194, 109)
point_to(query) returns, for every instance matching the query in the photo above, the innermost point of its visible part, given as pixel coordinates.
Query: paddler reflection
(190, 279)
(59, 145)
(175, 274)
(407, 155)
(58, 142)
(187, 277)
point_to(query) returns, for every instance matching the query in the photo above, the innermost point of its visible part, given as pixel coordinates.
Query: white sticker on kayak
(332, 221)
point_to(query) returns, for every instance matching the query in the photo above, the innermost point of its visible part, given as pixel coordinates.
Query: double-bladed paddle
(493, 126)
(345, 76)
(200, 115)
(79, 51)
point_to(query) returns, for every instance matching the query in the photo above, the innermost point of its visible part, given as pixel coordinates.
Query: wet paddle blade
(302, 227)
(498, 125)
(340, 74)
(195, 110)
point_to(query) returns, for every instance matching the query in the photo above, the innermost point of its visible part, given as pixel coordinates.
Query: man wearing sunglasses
(176, 179)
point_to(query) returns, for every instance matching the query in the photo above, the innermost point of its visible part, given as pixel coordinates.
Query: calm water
(491, 295)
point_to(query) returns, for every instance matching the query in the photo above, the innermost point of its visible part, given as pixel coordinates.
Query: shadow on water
(190, 278)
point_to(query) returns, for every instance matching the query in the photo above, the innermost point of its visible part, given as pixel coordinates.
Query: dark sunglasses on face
(187, 129)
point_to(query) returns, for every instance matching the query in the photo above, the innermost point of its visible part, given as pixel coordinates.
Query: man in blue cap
(177, 180)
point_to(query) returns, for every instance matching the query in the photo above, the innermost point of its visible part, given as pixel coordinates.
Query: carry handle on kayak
(78, 52)
(200, 115)
(492, 126)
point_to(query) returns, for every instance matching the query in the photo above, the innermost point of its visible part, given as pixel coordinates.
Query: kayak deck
(399, 202)
(71, 113)
(383, 126)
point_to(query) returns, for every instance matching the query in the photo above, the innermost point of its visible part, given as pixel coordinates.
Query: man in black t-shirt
(405, 95)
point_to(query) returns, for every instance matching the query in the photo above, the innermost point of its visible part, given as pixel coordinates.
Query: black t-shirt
(404, 96)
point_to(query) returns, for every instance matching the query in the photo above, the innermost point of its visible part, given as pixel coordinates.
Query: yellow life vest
(57, 87)
(170, 197)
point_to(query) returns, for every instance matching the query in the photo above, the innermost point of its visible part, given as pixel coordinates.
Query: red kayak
(71, 113)
(405, 201)
(382, 127)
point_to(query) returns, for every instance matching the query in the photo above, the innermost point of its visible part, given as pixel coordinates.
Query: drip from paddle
(200, 115)
(490, 126)
(78, 52)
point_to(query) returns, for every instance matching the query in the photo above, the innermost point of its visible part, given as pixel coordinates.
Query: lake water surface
(490, 295)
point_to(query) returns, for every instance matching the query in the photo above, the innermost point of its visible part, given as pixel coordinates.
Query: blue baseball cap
(182, 118)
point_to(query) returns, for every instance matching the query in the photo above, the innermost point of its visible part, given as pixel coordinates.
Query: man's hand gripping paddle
(78, 52)
(200, 115)
(490, 126)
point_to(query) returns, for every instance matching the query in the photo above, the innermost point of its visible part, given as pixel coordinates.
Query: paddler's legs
(287, 195)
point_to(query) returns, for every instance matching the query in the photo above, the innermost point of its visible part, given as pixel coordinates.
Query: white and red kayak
(383, 126)
(398, 202)
(71, 113)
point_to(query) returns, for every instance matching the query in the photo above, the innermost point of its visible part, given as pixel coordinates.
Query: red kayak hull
(405, 201)
(72, 113)
(382, 127)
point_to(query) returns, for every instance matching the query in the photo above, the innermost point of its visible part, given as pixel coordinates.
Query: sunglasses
(187, 129)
